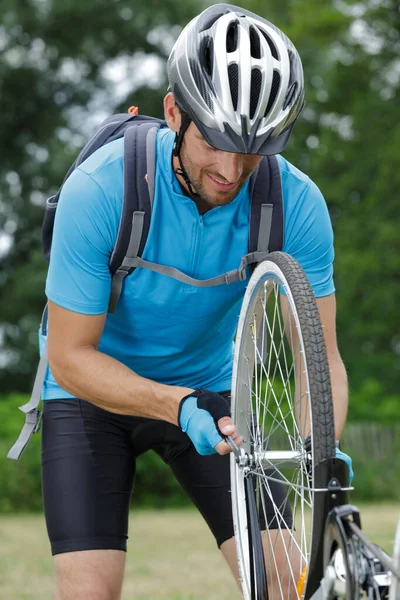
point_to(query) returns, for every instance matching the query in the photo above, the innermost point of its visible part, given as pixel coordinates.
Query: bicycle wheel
(281, 394)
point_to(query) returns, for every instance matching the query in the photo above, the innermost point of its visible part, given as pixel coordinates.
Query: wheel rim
(282, 420)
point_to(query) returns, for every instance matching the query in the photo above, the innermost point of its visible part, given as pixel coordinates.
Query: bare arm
(327, 312)
(83, 371)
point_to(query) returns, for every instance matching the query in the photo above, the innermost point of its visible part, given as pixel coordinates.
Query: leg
(206, 479)
(89, 575)
(87, 470)
(277, 547)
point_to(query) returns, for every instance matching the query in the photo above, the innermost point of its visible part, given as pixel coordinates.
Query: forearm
(107, 383)
(340, 394)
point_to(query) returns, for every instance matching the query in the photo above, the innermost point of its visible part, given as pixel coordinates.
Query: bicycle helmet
(239, 79)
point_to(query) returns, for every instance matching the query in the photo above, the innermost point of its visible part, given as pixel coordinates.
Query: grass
(171, 556)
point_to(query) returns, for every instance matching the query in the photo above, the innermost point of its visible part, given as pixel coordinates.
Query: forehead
(195, 132)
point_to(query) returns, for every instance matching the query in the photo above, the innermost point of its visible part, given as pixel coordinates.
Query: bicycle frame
(329, 492)
(343, 563)
(354, 567)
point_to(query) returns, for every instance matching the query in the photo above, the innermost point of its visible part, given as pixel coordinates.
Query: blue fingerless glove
(338, 454)
(347, 460)
(198, 416)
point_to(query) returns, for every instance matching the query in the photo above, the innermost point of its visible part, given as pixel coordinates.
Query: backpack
(139, 133)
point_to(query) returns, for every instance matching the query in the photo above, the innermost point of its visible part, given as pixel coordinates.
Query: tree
(52, 77)
(347, 141)
(59, 62)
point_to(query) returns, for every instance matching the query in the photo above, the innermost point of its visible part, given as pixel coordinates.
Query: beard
(208, 198)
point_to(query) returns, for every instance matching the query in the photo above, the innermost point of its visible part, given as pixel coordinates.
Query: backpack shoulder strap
(112, 128)
(139, 175)
(266, 212)
(33, 416)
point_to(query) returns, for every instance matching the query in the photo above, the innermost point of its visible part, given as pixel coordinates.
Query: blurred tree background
(65, 65)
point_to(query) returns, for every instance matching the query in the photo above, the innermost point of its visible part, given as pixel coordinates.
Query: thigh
(206, 480)
(88, 469)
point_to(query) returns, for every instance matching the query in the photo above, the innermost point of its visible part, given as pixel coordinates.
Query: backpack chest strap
(133, 261)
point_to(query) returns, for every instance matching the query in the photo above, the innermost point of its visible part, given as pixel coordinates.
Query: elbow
(62, 370)
(66, 368)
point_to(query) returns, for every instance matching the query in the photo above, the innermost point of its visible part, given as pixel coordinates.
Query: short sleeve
(308, 232)
(84, 233)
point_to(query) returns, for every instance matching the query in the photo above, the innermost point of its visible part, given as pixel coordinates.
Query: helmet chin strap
(186, 120)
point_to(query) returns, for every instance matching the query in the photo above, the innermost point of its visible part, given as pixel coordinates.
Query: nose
(230, 166)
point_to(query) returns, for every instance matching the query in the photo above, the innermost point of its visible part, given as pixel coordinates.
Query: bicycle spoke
(273, 412)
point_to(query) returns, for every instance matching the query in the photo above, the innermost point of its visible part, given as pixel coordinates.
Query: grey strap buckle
(33, 417)
(33, 421)
(125, 267)
(242, 270)
(244, 263)
(235, 275)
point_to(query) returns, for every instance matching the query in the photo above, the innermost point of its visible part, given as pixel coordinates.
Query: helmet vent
(290, 95)
(201, 84)
(271, 45)
(276, 82)
(209, 22)
(233, 75)
(206, 55)
(256, 79)
(232, 37)
(255, 46)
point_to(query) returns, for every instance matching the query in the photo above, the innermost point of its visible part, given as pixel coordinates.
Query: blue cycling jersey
(163, 329)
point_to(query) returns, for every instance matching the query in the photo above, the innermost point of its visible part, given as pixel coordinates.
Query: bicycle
(282, 405)
(354, 567)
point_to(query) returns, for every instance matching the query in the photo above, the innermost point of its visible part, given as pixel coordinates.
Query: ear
(172, 113)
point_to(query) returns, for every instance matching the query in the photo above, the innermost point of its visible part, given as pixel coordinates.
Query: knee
(89, 575)
(67, 589)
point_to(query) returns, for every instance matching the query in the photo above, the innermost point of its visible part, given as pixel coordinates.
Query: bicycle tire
(279, 272)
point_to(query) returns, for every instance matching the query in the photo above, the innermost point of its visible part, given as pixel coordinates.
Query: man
(156, 373)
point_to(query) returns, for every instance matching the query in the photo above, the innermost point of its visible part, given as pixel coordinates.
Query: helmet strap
(182, 172)
(186, 120)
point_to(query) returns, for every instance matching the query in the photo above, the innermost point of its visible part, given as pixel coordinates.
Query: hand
(338, 454)
(348, 461)
(206, 417)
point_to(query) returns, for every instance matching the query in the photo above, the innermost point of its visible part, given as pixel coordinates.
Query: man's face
(217, 176)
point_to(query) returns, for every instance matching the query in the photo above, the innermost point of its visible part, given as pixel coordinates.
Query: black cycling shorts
(88, 470)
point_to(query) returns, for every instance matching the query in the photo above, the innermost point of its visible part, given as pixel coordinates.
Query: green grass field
(172, 556)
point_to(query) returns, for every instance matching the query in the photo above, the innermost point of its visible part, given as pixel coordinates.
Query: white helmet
(239, 78)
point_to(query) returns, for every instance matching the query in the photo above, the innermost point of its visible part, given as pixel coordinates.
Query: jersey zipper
(197, 251)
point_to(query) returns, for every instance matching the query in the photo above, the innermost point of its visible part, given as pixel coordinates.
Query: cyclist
(156, 373)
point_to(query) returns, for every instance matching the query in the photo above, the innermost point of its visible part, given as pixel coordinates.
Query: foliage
(58, 61)
(20, 483)
(54, 86)
(369, 403)
(347, 142)
(375, 451)
(155, 485)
